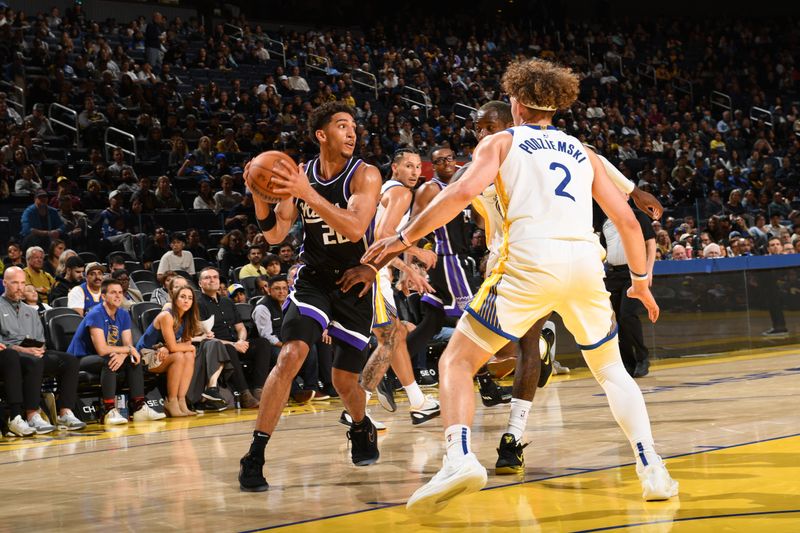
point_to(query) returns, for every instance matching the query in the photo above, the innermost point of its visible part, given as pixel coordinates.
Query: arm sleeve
(620, 181)
(263, 321)
(75, 298)
(163, 267)
(55, 220)
(124, 320)
(190, 269)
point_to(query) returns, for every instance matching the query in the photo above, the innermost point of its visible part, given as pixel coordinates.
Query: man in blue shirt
(104, 343)
(40, 223)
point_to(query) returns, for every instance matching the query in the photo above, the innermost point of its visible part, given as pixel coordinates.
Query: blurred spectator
(71, 277)
(83, 297)
(36, 275)
(253, 268)
(177, 258)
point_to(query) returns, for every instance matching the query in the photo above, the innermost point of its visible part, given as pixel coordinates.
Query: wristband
(638, 277)
(401, 236)
(266, 224)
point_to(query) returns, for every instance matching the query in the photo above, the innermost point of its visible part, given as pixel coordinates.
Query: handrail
(237, 30)
(719, 99)
(470, 112)
(15, 89)
(73, 127)
(317, 60)
(685, 86)
(616, 57)
(425, 102)
(373, 87)
(759, 113)
(281, 52)
(125, 135)
(648, 70)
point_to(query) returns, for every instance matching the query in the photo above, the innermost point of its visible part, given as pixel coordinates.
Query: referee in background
(635, 355)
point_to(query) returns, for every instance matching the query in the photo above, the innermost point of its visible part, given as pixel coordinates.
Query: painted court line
(560, 476)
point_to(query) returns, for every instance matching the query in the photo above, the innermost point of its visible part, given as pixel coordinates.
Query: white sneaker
(428, 410)
(39, 425)
(70, 421)
(113, 418)
(456, 477)
(146, 413)
(559, 369)
(18, 427)
(656, 482)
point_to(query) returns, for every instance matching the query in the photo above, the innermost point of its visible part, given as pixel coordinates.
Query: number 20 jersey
(544, 189)
(323, 247)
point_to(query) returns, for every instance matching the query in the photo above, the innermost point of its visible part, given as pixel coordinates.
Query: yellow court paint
(754, 487)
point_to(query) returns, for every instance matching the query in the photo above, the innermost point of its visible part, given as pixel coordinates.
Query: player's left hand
(413, 280)
(291, 182)
(382, 248)
(427, 257)
(641, 291)
(355, 275)
(647, 203)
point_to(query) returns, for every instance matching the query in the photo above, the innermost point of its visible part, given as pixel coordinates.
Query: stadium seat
(143, 275)
(148, 316)
(62, 328)
(60, 302)
(138, 309)
(147, 286)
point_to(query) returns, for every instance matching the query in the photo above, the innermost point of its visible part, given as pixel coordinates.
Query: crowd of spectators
(200, 100)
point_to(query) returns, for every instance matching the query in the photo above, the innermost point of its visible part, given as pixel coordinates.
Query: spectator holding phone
(104, 344)
(22, 331)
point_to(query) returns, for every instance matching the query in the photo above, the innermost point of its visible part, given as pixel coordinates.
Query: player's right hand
(641, 291)
(355, 275)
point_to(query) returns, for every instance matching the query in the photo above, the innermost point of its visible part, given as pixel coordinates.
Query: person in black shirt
(157, 248)
(335, 196)
(73, 276)
(634, 351)
(229, 329)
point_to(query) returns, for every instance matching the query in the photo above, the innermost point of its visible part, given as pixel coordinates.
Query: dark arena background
(125, 131)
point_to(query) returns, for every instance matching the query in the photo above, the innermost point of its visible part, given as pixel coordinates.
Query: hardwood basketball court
(730, 426)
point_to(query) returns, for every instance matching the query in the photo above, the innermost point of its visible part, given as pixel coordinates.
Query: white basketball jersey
(545, 189)
(379, 212)
(488, 206)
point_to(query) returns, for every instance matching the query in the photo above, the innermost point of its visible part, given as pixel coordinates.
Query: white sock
(457, 441)
(625, 399)
(518, 418)
(415, 396)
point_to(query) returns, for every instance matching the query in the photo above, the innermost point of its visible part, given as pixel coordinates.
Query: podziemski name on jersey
(531, 145)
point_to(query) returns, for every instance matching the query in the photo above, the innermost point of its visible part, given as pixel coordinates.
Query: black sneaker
(549, 337)
(212, 393)
(330, 390)
(494, 394)
(251, 474)
(210, 406)
(776, 332)
(509, 456)
(642, 369)
(427, 378)
(364, 441)
(386, 395)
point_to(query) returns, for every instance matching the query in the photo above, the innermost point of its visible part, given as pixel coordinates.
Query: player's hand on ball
(641, 291)
(290, 182)
(355, 275)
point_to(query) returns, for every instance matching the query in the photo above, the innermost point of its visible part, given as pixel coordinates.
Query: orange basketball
(260, 173)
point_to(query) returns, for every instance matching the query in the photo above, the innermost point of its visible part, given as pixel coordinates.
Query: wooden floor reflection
(730, 425)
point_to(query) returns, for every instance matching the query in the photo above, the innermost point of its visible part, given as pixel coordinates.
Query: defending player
(550, 261)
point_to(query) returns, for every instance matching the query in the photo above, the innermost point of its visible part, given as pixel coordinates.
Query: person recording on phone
(21, 330)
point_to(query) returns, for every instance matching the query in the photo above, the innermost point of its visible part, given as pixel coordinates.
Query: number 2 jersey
(323, 248)
(544, 191)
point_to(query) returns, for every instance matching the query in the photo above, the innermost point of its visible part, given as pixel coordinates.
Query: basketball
(259, 174)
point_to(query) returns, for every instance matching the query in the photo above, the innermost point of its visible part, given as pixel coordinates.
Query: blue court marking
(717, 381)
(547, 478)
(688, 519)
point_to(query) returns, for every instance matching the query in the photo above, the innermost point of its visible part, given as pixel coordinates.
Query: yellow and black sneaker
(546, 343)
(509, 456)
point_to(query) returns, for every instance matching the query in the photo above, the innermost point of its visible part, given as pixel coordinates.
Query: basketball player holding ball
(336, 196)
